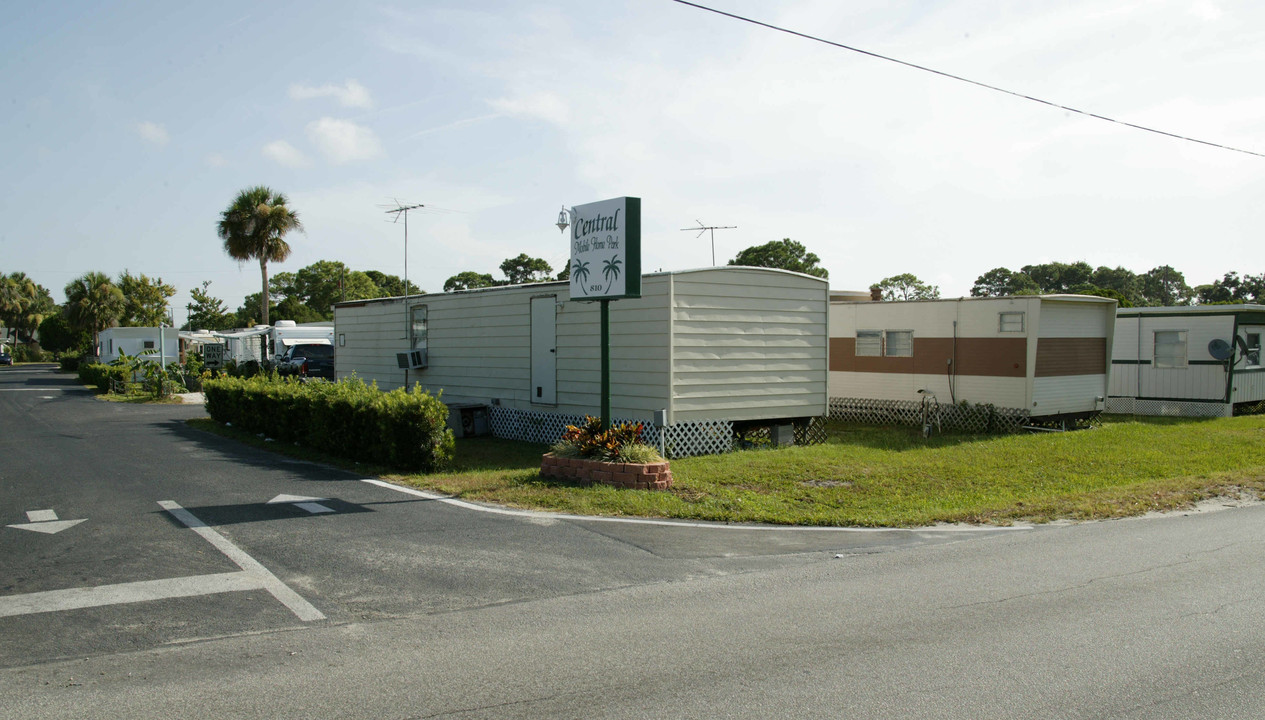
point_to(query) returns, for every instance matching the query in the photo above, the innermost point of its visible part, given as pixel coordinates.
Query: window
(149, 344)
(885, 343)
(1170, 348)
(1253, 349)
(1010, 322)
(900, 343)
(869, 343)
(418, 327)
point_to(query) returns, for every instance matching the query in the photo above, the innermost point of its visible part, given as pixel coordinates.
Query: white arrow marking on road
(48, 528)
(311, 504)
(45, 521)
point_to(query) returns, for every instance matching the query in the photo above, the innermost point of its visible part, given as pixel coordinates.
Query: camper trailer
(700, 354)
(1200, 361)
(1038, 358)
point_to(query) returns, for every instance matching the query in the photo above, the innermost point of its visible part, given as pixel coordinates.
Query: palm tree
(254, 227)
(611, 270)
(93, 303)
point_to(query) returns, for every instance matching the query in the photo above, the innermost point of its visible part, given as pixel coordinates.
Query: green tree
(1165, 286)
(785, 254)
(293, 309)
(1060, 277)
(1121, 280)
(1001, 282)
(23, 305)
(564, 273)
(145, 300)
(207, 312)
(1233, 289)
(907, 286)
(57, 335)
(392, 285)
(468, 280)
(254, 226)
(93, 303)
(524, 269)
(248, 314)
(326, 282)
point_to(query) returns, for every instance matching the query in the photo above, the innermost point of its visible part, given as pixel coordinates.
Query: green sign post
(606, 266)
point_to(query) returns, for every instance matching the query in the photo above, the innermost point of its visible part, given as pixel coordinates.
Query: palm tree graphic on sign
(611, 270)
(580, 271)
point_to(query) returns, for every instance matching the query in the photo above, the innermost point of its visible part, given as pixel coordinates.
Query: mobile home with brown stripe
(700, 353)
(1030, 357)
(1199, 361)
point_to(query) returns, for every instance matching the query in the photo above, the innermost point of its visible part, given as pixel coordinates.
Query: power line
(965, 80)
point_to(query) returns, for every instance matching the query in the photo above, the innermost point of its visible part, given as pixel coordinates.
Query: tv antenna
(712, 229)
(402, 209)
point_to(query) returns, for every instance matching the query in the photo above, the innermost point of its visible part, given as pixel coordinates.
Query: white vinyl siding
(732, 344)
(1170, 349)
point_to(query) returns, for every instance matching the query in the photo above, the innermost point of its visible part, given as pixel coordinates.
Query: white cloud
(351, 94)
(153, 132)
(216, 160)
(343, 141)
(541, 105)
(284, 153)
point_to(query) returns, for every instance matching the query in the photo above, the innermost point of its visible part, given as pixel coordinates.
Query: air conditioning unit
(411, 359)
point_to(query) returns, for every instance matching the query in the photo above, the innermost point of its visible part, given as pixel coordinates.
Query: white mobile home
(1199, 361)
(1037, 357)
(700, 352)
(150, 343)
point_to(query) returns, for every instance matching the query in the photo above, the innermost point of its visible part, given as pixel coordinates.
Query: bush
(29, 353)
(589, 440)
(69, 363)
(402, 428)
(103, 375)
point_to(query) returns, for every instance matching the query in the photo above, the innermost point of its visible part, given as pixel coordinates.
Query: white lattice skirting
(964, 418)
(1168, 408)
(675, 441)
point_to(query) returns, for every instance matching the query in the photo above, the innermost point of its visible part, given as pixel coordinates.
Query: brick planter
(638, 476)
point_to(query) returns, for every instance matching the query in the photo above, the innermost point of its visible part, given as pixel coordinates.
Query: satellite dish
(1220, 349)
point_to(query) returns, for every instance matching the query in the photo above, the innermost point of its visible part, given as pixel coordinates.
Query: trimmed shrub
(102, 375)
(404, 429)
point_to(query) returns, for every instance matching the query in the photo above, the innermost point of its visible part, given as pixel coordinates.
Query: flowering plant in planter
(618, 443)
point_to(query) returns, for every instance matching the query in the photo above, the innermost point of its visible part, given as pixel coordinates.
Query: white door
(544, 350)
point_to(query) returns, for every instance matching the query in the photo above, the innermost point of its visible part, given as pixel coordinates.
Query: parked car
(308, 360)
(5, 358)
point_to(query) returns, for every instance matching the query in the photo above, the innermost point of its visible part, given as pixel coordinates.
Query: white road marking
(86, 597)
(314, 508)
(539, 515)
(41, 515)
(48, 527)
(35, 389)
(311, 504)
(282, 592)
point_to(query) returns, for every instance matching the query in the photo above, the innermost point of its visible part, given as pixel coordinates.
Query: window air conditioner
(411, 359)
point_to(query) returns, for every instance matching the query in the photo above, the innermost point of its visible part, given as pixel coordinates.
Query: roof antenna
(713, 228)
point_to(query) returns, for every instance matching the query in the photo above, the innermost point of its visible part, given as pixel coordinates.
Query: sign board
(213, 355)
(606, 250)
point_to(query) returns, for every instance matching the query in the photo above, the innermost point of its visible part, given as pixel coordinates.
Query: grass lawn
(892, 477)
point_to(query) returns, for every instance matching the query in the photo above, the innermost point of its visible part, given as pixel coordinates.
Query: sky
(128, 127)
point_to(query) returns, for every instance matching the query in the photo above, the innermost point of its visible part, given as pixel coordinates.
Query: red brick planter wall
(639, 476)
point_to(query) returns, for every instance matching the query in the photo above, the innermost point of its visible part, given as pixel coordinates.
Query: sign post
(605, 266)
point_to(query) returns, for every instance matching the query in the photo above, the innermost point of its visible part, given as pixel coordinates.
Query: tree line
(255, 224)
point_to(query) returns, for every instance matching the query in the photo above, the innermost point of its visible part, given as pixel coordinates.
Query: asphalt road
(184, 592)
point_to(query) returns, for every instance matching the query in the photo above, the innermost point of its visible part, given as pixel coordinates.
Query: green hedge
(100, 374)
(401, 429)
